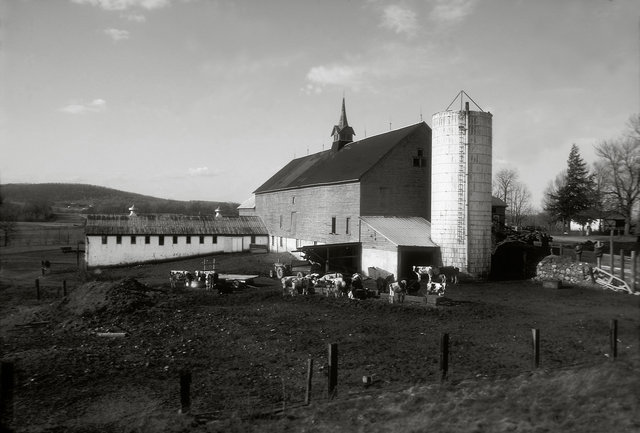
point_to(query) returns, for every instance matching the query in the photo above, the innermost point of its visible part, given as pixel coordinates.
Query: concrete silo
(461, 187)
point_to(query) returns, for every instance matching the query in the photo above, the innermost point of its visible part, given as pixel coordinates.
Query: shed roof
(173, 225)
(402, 231)
(348, 164)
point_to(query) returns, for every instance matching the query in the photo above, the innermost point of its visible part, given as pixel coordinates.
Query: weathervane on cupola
(342, 133)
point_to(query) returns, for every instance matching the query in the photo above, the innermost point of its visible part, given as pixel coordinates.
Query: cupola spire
(342, 133)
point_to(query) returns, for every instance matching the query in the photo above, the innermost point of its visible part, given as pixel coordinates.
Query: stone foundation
(564, 270)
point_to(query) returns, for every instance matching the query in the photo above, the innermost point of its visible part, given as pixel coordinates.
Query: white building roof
(402, 231)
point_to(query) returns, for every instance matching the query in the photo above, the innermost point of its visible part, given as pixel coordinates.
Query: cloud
(121, 5)
(400, 20)
(138, 18)
(337, 75)
(95, 106)
(200, 171)
(116, 34)
(451, 11)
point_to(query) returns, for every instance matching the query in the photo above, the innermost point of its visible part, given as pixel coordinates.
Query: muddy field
(248, 350)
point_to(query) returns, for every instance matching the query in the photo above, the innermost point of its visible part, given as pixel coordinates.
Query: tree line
(609, 190)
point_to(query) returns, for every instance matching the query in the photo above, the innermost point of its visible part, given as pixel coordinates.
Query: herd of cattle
(433, 280)
(430, 278)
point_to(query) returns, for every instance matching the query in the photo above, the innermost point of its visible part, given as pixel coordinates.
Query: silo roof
(402, 231)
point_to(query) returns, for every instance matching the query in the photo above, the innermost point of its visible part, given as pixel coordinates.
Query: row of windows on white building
(133, 240)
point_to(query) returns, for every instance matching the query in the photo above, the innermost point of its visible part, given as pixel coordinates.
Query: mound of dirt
(119, 297)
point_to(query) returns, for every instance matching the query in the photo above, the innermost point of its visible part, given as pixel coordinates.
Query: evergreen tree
(573, 196)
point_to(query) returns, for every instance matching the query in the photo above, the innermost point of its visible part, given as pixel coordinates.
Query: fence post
(333, 370)
(37, 289)
(535, 333)
(612, 271)
(444, 356)
(621, 265)
(307, 397)
(7, 383)
(613, 338)
(633, 270)
(560, 250)
(598, 252)
(185, 396)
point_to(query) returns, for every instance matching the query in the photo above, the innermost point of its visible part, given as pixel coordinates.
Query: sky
(206, 99)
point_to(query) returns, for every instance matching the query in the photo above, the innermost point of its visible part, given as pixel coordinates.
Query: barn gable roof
(173, 225)
(402, 231)
(346, 165)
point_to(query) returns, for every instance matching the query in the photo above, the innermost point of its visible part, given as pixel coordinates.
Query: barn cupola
(342, 133)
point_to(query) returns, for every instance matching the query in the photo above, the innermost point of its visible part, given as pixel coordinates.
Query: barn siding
(112, 253)
(314, 207)
(394, 187)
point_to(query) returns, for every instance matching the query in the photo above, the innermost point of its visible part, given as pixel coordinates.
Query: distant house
(125, 239)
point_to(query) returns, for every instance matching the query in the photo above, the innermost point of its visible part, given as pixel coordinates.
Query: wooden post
(444, 356)
(621, 265)
(535, 333)
(633, 271)
(560, 250)
(333, 370)
(598, 258)
(37, 289)
(612, 271)
(185, 396)
(7, 383)
(307, 397)
(613, 338)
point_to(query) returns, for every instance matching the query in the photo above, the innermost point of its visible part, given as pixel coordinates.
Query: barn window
(104, 240)
(133, 240)
(202, 239)
(293, 221)
(253, 239)
(280, 221)
(214, 239)
(118, 239)
(293, 200)
(281, 241)
(419, 160)
(188, 239)
(175, 239)
(160, 240)
(347, 229)
(333, 225)
(147, 239)
(273, 241)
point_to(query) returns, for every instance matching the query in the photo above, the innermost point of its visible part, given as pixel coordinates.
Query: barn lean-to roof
(173, 225)
(402, 231)
(348, 164)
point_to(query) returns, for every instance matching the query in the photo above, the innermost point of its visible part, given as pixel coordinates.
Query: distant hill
(98, 199)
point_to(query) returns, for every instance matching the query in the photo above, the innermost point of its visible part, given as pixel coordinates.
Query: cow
(442, 273)
(450, 273)
(436, 288)
(177, 276)
(430, 271)
(290, 285)
(399, 289)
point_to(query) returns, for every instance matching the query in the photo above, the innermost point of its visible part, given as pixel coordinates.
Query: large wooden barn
(362, 204)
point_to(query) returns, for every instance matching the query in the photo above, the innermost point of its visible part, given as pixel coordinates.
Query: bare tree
(620, 168)
(503, 182)
(514, 193)
(519, 203)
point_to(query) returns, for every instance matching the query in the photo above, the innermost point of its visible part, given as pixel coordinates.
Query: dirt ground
(247, 351)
